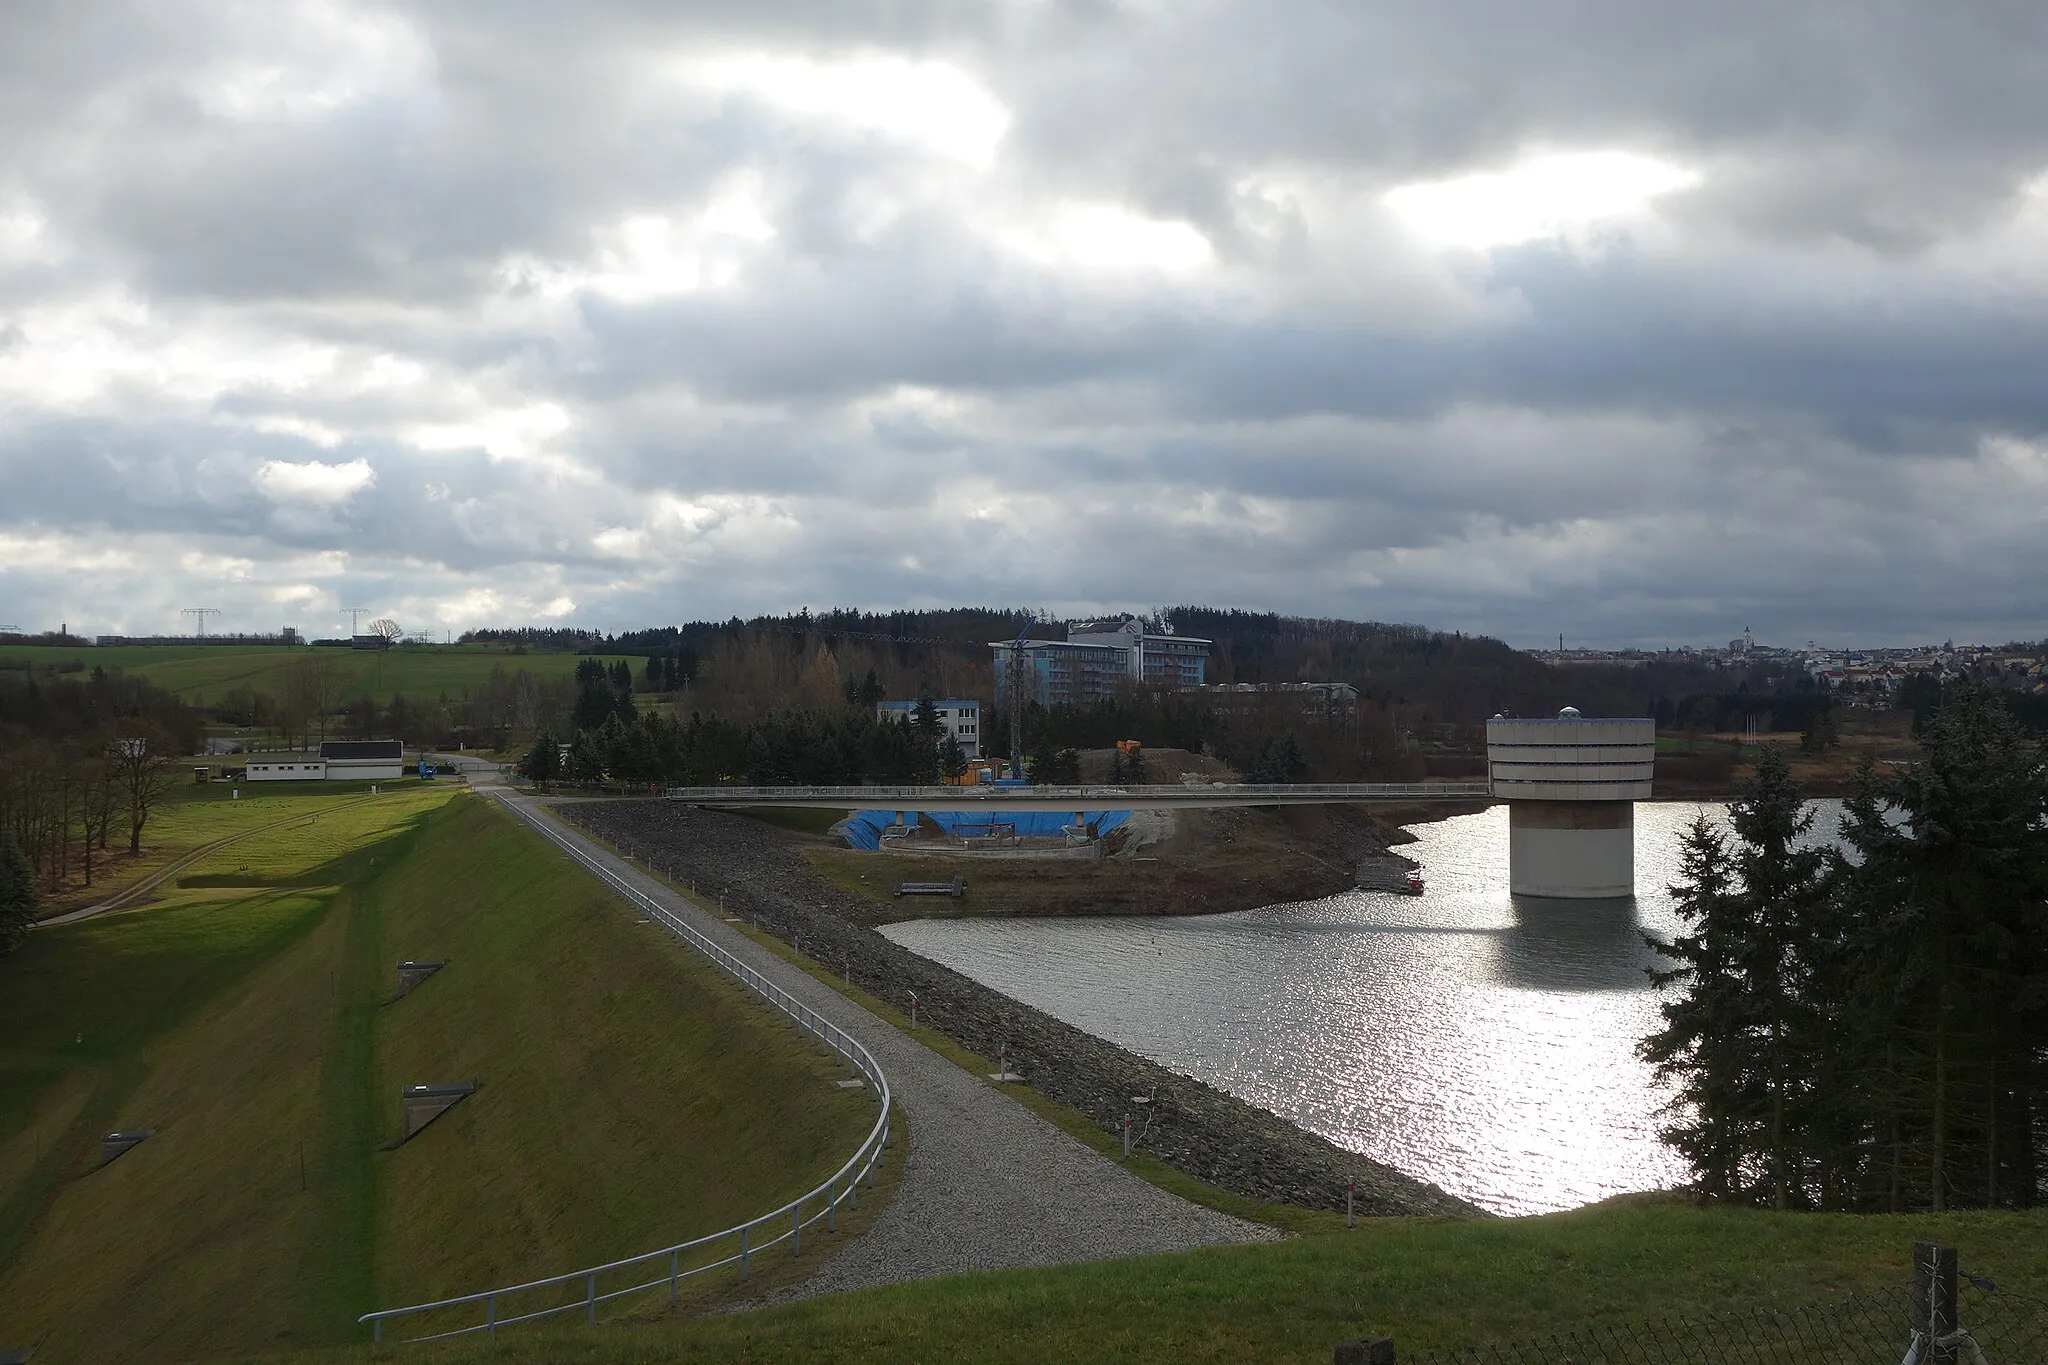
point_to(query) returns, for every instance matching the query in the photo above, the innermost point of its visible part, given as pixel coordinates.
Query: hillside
(203, 675)
(630, 1095)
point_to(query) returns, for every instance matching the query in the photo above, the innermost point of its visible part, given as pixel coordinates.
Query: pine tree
(1747, 1035)
(586, 758)
(1699, 1049)
(543, 762)
(17, 896)
(1948, 888)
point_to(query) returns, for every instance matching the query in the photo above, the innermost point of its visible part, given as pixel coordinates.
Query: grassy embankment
(1424, 1282)
(630, 1096)
(201, 673)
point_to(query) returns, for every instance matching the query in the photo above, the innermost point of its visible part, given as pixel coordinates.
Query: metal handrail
(876, 795)
(790, 1219)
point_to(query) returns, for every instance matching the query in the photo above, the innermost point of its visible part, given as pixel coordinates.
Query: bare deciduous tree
(143, 767)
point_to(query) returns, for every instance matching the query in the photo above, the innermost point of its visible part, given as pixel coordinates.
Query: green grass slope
(630, 1096)
(1426, 1283)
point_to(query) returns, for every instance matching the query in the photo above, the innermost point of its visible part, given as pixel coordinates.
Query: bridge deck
(1176, 796)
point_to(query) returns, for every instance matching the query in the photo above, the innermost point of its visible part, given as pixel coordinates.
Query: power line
(355, 618)
(200, 613)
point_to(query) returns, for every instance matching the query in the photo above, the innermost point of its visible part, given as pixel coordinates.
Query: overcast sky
(1637, 322)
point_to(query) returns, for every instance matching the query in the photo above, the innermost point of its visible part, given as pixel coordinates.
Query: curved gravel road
(987, 1184)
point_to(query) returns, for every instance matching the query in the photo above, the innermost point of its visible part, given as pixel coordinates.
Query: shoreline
(759, 872)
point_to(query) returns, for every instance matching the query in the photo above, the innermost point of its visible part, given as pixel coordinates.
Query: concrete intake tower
(1571, 785)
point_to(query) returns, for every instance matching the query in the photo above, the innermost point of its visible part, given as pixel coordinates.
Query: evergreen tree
(1746, 1036)
(586, 758)
(1278, 761)
(1700, 1049)
(17, 896)
(543, 762)
(1947, 886)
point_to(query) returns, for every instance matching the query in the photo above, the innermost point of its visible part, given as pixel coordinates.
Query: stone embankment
(760, 876)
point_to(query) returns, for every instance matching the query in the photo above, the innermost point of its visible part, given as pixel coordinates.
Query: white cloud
(1554, 195)
(314, 482)
(1108, 237)
(935, 105)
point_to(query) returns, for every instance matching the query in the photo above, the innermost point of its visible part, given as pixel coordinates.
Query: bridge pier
(1571, 785)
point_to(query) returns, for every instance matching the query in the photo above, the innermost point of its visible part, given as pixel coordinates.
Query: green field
(204, 673)
(631, 1097)
(193, 815)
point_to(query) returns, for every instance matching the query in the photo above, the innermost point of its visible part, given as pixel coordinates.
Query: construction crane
(201, 613)
(1018, 673)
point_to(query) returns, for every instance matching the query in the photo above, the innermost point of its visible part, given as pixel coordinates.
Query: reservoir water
(1480, 1041)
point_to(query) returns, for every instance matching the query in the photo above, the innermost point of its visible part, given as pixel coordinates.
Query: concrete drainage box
(420, 1105)
(411, 974)
(118, 1144)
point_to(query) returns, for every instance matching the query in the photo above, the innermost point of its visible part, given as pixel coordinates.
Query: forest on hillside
(746, 668)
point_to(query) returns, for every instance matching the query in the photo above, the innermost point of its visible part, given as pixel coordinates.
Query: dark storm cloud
(621, 312)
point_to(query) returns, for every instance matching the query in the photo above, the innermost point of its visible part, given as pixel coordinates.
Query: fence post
(796, 1230)
(590, 1300)
(491, 1316)
(743, 1253)
(1365, 1351)
(673, 1277)
(1934, 1299)
(1350, 1202)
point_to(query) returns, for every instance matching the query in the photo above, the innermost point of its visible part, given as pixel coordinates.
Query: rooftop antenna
(355, 618)
(200, 614)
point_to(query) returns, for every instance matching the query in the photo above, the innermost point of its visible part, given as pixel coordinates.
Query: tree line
(841, 747)
(1864, 1026)
(83, 764)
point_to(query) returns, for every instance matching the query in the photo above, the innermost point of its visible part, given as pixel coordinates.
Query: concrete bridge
(1163, 796)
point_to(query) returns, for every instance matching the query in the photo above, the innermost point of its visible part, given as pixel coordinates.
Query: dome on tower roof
(1569, 713)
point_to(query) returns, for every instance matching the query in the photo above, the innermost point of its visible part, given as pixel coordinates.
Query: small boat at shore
(1414, 887)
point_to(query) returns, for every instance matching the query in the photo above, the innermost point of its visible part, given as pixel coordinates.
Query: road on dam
(987, 1184)
(1162, 796)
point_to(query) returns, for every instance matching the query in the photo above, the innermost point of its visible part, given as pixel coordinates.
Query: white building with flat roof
(958, 718)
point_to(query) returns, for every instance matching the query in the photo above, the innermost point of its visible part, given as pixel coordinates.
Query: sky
(1636, 323)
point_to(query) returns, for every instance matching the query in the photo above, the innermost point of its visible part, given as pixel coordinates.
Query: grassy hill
(1426, 1283)
(202, 673)
(631, 1097)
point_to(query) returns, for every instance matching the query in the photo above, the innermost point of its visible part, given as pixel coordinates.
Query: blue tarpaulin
(863, 829)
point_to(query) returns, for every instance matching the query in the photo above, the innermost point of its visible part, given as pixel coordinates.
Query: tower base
(1574, 850)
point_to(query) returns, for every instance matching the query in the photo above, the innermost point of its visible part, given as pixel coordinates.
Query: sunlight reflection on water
(1480, 1041)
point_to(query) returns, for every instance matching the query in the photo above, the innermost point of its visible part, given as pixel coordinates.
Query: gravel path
(987, 1184)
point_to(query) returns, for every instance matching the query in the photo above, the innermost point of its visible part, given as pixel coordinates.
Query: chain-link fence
(1944, 1318)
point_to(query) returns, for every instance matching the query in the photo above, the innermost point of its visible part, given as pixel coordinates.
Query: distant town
(1869, 677)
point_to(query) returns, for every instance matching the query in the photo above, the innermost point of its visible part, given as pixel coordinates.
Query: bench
(955, 888)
